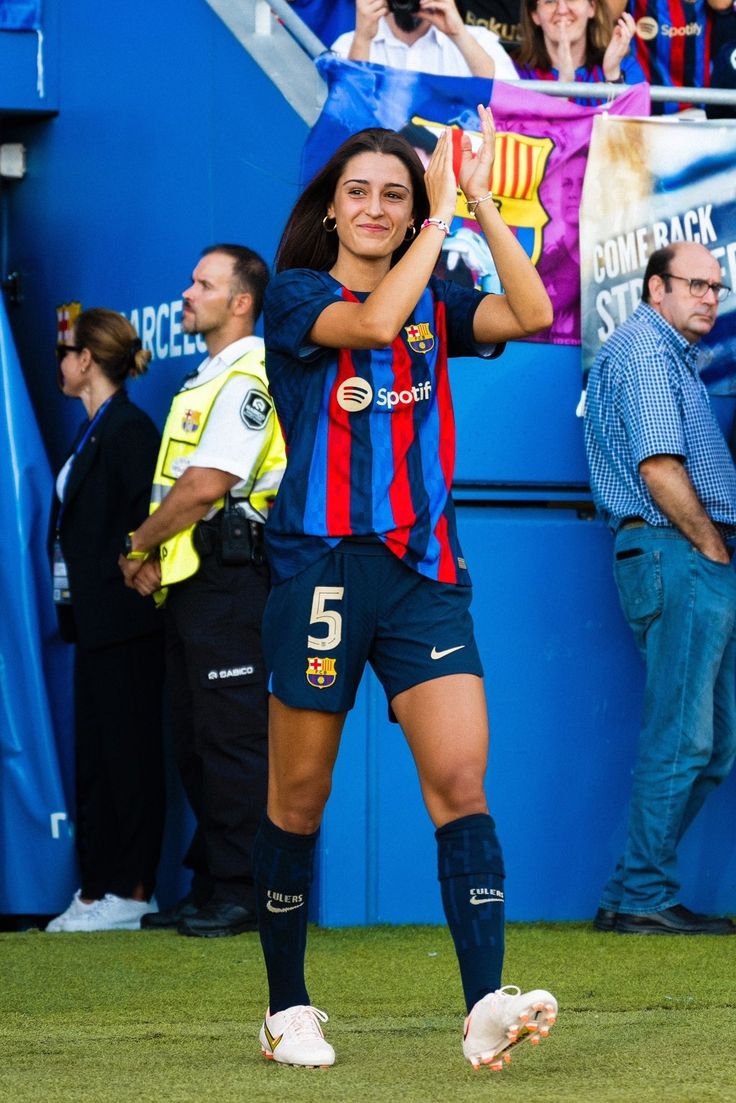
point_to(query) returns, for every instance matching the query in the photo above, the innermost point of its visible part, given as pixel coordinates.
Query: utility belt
(230, 534)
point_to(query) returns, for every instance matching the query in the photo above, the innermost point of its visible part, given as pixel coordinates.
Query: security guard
(200, 553)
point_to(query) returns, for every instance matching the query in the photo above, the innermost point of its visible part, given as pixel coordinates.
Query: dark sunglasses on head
(62, 350)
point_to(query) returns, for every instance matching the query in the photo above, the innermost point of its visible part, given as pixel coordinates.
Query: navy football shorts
(357, 604)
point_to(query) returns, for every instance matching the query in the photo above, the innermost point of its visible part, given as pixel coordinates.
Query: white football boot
(504, 1018)
(294, 1037)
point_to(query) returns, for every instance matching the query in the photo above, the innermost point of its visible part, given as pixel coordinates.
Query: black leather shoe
(605, 919)
(217, 920)
(170, 918)
(675, 920)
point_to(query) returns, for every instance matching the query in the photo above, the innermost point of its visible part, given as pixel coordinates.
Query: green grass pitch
(112, 1018)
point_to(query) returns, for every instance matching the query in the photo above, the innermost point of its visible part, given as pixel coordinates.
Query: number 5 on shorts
(330, 617)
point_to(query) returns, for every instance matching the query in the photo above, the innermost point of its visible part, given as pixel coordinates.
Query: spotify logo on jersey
(354, 394)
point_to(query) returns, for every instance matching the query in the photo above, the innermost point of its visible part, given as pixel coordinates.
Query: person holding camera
(200, 553)
(427, 36)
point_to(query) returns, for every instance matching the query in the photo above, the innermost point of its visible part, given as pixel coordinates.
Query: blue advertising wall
(169, 138)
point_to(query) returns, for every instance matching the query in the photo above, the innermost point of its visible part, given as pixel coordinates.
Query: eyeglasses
(699, 288)
(549, 5)
(62, 350)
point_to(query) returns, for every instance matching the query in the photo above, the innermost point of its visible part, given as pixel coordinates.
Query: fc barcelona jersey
(673, 42)
(370, 433)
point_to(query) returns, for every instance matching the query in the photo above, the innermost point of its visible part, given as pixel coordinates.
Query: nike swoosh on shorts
(435, 654)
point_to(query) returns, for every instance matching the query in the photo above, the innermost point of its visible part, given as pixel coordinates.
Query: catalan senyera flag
(541, 151)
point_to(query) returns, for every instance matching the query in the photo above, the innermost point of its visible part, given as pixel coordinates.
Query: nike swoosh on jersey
(485, 900)
(435, 654)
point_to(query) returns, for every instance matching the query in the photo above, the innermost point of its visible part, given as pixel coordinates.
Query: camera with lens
(404, 7)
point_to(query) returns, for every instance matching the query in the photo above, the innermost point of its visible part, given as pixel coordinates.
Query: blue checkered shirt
(645, 398)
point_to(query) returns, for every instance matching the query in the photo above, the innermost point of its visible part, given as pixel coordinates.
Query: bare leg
(446, 726)
(302, 748)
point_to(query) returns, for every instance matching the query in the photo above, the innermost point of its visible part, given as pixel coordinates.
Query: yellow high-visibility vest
(185, 424)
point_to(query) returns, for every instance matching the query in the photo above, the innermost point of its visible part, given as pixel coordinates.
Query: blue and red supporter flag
(541, 151)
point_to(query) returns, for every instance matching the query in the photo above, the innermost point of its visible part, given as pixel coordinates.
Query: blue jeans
(682, 610)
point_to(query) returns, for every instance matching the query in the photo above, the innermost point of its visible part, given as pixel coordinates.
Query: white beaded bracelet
(473, 204)
(439, 223)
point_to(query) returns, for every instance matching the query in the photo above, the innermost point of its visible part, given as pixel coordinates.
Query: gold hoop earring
(329, 229)
(410, 236)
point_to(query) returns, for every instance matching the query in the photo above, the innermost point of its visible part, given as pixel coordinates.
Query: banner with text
(678, 180)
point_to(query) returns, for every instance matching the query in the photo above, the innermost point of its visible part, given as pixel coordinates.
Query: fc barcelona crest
(66, 316)
(321, 673)
(420, 337)
(190, 421)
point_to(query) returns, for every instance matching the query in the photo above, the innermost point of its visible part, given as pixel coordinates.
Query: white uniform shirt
(434, 52)
(228, 442)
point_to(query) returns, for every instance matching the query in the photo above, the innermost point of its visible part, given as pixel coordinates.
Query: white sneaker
(111, 913)
(294, 1037)
(76, 909)
(503, 1018)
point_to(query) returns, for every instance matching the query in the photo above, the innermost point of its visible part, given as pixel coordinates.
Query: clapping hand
(618, 47)
(476, 168)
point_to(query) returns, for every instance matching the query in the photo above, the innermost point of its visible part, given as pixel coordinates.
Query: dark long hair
(532, 53)
(305, 243)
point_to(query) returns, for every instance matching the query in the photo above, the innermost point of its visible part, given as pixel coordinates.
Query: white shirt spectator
(434, 52)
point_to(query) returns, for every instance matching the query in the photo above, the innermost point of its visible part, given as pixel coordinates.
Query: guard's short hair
(250, 272)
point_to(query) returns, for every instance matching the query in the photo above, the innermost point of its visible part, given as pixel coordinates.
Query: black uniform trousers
(119, 765)
(219, 706)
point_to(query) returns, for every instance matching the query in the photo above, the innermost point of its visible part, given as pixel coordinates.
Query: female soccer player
(365, 555)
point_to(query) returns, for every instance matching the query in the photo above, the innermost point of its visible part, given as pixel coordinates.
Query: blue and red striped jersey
(630, 71)
(673, 43)
(370, 433)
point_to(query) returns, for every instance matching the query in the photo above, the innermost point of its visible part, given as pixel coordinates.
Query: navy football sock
(282, 871)
(471, 876)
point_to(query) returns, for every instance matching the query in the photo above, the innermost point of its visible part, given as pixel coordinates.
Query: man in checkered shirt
(663, 478)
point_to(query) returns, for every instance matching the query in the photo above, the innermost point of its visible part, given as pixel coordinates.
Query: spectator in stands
(502, 17)
(575, 40)
(101, 493)
(674, 40)
(724, 76)
(430, 39)
(326, 18)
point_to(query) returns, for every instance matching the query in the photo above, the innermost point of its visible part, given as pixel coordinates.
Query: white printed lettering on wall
(160, 330)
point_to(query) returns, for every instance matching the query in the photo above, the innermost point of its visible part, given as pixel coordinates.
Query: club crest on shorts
(420, 337)
(190, 421)
(321, 672)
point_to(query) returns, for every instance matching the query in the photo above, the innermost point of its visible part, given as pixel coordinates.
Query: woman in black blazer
(102, 493)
